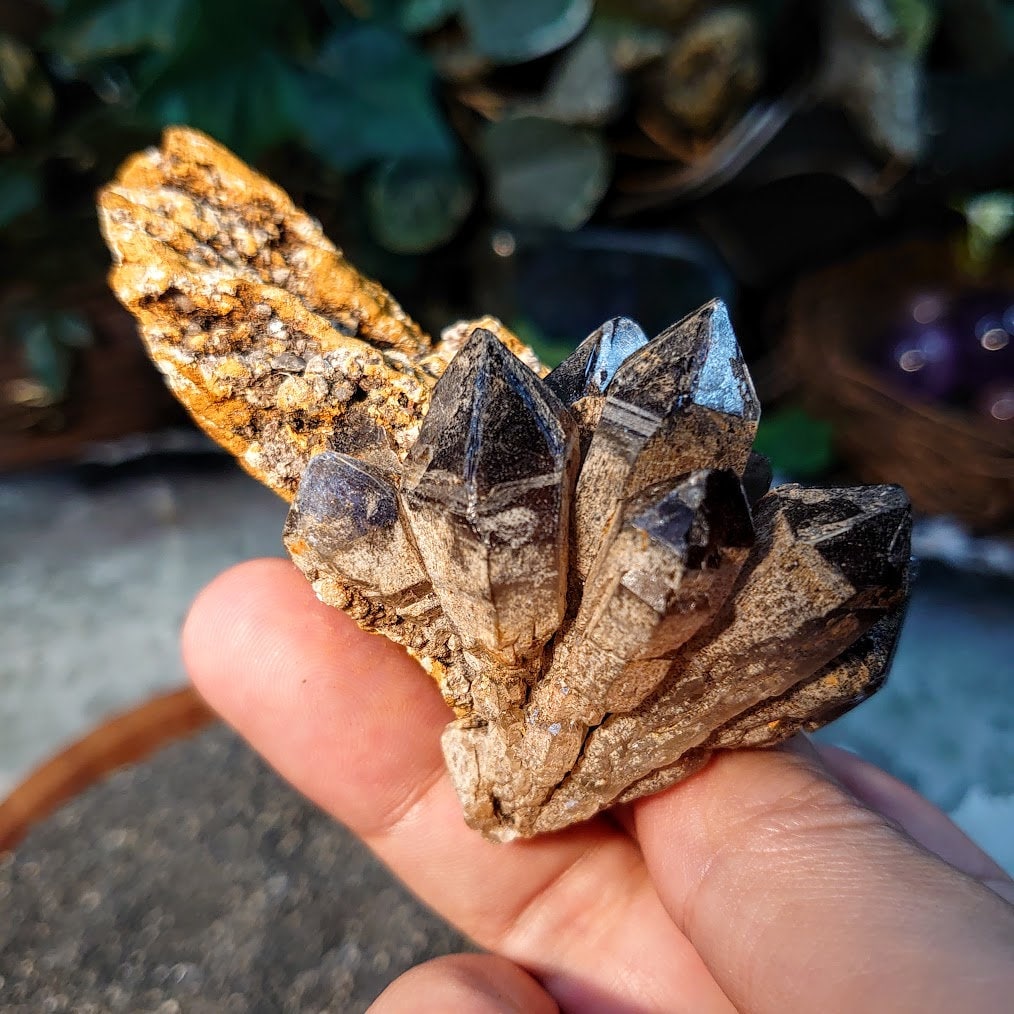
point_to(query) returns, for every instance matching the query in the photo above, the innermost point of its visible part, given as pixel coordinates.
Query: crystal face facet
(663, 576)
(346, 518)
(794, 610)
(580, 381)
(589, 368)
(590, 565)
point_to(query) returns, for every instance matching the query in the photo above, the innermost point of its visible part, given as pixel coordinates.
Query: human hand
(780, 880)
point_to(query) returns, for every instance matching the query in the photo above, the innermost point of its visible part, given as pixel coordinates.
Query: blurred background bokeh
(557, 162)
(840, 171)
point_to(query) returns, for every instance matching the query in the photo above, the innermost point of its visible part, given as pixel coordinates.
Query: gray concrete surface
(95, 580)
(199, 882)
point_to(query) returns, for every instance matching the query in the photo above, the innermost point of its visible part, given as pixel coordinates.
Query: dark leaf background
(419, 131)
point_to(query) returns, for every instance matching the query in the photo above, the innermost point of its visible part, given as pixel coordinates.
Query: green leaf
(990, 219)
(371, 93)
(425, 15)
(416, 205)
(411, 16)
(545, 173)
(47, 359)
(551, 350)
(71, 330)
(20, 192)
(248, 104)
(520, 30)
(116, 28)
(796, 443)
(26, 97)
(232, 77)
(917, 20)
(632, 44)
(585, 86)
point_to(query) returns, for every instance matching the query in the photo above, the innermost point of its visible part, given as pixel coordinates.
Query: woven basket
(949, 461)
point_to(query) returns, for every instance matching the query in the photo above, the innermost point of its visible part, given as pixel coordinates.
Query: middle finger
(354, 723)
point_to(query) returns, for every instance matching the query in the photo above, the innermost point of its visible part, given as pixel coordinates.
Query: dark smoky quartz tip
(344, 499)
(592, 365)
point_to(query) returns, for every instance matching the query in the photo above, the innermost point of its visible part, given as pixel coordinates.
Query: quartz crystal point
(346, 516)
(487, 487)
(665, 576)
(840, 685)
(346, 532)
(806, 594)
(589, 565)
(682, 401)
(580, 381)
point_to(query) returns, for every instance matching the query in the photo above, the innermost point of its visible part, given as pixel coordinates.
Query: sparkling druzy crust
(589, 563)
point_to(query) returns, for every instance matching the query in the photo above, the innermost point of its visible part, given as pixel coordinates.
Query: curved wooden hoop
(121, 740)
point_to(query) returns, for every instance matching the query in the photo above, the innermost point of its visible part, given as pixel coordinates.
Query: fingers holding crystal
(683, 637)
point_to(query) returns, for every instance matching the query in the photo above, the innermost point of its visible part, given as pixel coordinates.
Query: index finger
(354, 723)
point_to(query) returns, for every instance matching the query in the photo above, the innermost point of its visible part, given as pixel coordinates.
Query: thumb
(472, 983)
(800, 898)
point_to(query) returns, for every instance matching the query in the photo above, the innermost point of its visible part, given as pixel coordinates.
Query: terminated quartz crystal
(590, 565)
(682, 401)
(663, 576)
(487, 484)
(800, 603)
(347, 533)
(346, 517)
(487, 487)
(580, 381)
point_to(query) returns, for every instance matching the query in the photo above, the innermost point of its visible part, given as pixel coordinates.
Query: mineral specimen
(588, 563)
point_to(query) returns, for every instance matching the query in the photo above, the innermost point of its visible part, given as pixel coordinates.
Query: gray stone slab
(198, 881)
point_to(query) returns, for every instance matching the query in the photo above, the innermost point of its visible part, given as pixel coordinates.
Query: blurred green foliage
(797, 444)
(309, 86)
(404, 120)
(49, 340)
(338, 99)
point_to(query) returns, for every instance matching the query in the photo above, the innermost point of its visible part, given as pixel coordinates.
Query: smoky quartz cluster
(593, 568)
(589, 563)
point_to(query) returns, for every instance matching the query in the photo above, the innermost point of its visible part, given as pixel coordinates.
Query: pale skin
(788, 880)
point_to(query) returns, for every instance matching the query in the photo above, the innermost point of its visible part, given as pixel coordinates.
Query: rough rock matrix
(588, 562)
